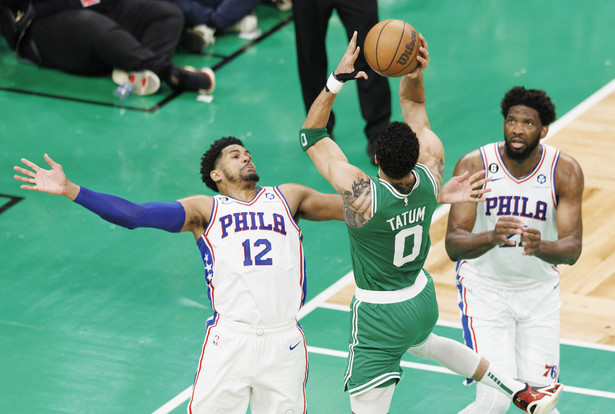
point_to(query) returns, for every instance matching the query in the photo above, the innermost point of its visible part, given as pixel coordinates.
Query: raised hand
(346, 65)
(462, 188)
(422, 57)
(51, 181)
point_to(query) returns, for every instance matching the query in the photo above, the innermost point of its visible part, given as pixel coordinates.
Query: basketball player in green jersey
(394, 308)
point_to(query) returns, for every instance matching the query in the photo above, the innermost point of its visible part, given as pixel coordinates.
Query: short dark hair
(209, 159)
(397, 149)
(532, 98)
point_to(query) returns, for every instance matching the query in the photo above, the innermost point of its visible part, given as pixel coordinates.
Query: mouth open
(517, 144)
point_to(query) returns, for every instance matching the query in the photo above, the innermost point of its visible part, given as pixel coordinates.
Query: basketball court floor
(95, 318)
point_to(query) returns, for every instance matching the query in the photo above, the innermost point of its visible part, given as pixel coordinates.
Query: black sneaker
(189, 79)
(192, 41)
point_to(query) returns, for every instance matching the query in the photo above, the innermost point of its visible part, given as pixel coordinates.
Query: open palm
(462, 188)
(51, 181)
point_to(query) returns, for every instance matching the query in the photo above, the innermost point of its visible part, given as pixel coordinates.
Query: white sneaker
(207, 33)
(248, 24)
(144, 82)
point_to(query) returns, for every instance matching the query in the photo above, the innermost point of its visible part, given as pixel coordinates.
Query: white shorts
(240, 364)
(516, 330)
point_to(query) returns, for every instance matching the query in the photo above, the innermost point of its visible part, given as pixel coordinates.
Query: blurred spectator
(133, 39)
(207, 18)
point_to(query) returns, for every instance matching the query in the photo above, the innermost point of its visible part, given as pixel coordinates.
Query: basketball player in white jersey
(507, 249)
(254, 350)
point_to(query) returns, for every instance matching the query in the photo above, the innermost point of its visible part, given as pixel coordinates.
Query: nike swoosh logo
(294, 346)
(495, 179)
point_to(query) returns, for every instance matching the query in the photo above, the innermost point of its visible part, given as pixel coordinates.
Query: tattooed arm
(358, 203)
(349, 181)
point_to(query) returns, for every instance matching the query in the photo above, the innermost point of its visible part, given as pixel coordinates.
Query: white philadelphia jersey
(532, 199)
(253, 256)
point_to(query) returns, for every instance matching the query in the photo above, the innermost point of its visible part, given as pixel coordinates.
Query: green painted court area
(95, 318)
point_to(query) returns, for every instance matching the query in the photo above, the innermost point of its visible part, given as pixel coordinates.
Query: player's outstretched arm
(323, 151)
(312, 205)
(349, 181)
(164, 216)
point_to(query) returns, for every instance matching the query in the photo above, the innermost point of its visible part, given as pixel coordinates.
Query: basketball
(391, 47)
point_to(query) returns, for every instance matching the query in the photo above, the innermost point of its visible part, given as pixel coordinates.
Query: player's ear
(215, 176)
(544, 131)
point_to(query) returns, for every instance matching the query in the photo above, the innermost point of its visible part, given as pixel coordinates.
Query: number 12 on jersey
(261, 248)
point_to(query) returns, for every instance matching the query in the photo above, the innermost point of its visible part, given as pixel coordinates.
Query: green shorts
(380, 334)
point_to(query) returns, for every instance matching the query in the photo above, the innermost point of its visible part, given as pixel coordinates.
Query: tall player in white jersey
(254, 350)
(507, 249)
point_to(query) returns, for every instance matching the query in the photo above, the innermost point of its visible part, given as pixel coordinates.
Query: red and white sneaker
(535, 400)
(144, 82)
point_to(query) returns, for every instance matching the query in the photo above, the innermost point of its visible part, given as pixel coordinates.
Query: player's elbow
(451, 249)
(572, 259)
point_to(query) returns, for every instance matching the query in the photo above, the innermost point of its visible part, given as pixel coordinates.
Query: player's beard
(520, 155)
(243, 177)
(250, 177)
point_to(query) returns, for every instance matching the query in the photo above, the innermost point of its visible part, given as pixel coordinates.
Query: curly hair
(397, 149)
(209, 159)
(532, 98)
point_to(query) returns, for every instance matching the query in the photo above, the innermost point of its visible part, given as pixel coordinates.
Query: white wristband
(333, 85)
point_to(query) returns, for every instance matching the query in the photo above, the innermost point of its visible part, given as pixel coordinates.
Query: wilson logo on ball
(407, 54)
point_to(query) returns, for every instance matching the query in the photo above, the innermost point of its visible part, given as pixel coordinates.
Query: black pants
(311, 23)
(132, 35)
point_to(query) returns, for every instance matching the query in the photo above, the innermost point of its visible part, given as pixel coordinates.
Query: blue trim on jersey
(467, 335)
(279, 193)
(483, 158)
(554, 167)
(211, 321)
(259, 192)
(277, 190)
(207, 260)
(212, 213)
(498, 155)
(304, 285)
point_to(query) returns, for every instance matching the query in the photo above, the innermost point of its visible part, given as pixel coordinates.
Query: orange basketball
(391, 47)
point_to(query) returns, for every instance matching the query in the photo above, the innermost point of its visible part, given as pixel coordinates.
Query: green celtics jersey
(389, 251)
